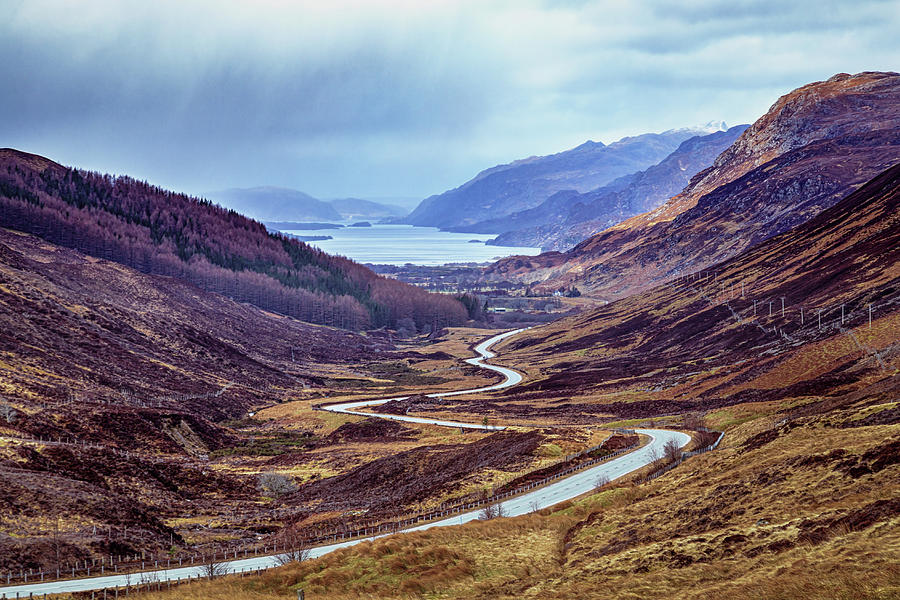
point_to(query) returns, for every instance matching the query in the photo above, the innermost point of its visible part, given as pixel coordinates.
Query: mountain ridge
(525, 183)
(559, 223)
(801, 157)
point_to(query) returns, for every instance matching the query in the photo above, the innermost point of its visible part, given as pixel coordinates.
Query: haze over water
(402, 244)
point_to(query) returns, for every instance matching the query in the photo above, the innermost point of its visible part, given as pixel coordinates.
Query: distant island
(283, 225)
(310, 238)
(475, 242)
(361, 224)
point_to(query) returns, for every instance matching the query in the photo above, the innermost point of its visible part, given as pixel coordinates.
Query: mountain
(357, 208)
(525, 183)
(275, 204)
(568, 217)
(814, 146)
(163, 232)
(847, 258)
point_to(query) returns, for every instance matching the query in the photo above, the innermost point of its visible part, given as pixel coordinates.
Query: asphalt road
(554, 493)
(511, 379)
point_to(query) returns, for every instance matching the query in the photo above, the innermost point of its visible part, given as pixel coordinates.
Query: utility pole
(770, 308)
(801, 315)
(782, 306)
(870, 315)
(754, 308)
(742, 289)
(842, 314)
(820, 318)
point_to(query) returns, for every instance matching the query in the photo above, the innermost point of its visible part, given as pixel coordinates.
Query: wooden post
(870, 315)
(770, 308)
(801, 315)
(782, 306)
(842, 314)
(820, 318)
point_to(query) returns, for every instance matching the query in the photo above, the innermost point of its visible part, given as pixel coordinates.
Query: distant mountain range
(813, 147)
(269, 203)
(568, 217)
(525, 184)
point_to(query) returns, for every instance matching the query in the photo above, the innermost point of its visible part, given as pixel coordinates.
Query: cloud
(398, 98)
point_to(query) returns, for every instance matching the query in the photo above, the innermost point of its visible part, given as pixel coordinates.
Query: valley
(690, 390)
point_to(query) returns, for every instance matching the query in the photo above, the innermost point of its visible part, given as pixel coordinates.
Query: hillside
(815, 145)
(162, 232)
(567, 218)
(97, 353)
(524, 184)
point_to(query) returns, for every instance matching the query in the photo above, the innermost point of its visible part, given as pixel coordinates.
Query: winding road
(558, 491)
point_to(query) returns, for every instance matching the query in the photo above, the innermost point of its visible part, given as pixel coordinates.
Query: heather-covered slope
(162, 232)
(77, 329)
(145, 367)
(815, 145)
(715, 338)
(566, 218)
(525, 183)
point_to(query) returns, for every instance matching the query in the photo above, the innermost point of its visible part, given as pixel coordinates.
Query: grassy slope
(810, 514)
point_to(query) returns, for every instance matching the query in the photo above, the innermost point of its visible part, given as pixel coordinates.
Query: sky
(398, 98)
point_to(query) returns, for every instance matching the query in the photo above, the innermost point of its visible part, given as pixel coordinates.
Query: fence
(684, 455)
(795, 319)
(136, 563)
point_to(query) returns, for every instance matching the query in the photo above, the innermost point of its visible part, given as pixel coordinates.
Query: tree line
(166, 233)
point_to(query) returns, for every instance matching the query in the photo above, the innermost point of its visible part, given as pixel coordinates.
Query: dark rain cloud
(406, 98)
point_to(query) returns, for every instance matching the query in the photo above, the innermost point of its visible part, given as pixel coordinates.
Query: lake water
(401, 244)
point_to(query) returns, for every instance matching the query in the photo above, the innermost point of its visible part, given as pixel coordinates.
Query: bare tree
(534, 506)
(692, 421)
(8, 413)
(672, 451)
(275, 484)
(654, 456)
(212, 568)
(296, 548)
(601, 481)
(492, 511)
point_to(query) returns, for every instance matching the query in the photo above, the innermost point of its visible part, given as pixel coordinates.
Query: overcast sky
(395, 98)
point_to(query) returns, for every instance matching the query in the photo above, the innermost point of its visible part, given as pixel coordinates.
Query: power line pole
(870, 315)
(842, 314)
(782, 306)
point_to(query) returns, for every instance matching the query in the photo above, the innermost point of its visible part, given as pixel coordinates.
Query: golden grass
(773, 522)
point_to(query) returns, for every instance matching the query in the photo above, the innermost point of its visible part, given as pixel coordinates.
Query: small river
(402, 244)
